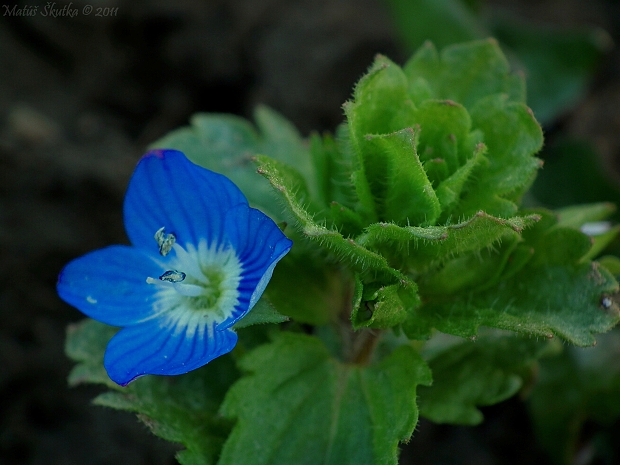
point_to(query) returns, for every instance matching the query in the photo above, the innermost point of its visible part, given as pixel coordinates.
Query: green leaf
(578, 387)
(470, 374)
(378, 101)
(388, 106)
(305, 290)
(409, 195)
(335, 164)
(512, 137)
(350, 177)
(445, 127)
(576, 216)
(588, 219)
(558, 62)
(445, 22)
(345, 219)
(227, 143)
(347, 250)
(384, 307)
(465, 73)
(342, 414)
(85, 343)
(542, 300)
(611, 263)
(180, 409)
(432, 245)
(378, 105)
(474, 271)
(450, 189)
(573, 174)
(601, 241)
(575, 245)
(262, 313)
(281, 140)
(322, 152)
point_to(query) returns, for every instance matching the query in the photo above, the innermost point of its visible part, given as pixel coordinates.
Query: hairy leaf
(262, 313)
(558, 62)
(383, 307)
(299, 405)
(465, 73)
(409, 197)
(180, 409)
(468, 375)
(543, 300)
(349, 251)
(227, 143)
(424, 246)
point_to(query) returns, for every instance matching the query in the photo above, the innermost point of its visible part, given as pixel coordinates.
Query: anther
(173, 276)
(164, 241)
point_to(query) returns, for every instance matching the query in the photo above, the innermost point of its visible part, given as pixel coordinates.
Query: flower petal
(259, 244)
(167, 190)
(159, 347)
(109, 285)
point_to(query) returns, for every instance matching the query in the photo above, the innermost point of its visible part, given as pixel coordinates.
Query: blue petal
(260, 245)
(109, 285)
(158, 348)
(167, 190)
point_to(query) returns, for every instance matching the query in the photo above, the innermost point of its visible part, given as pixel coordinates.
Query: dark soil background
(81, 97)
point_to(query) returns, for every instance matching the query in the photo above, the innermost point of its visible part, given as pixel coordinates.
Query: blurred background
(81, 95)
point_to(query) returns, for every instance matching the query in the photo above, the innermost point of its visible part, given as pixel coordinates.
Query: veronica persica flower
(199, 261)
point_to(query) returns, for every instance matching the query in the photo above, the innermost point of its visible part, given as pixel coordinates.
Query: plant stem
(364, 346)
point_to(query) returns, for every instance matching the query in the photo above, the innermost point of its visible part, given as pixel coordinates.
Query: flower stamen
(187, 290)
(164, 241)
(173, 276)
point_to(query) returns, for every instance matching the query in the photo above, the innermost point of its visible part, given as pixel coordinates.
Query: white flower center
(198, 287)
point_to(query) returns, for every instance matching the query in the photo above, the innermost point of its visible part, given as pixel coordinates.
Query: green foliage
(317, 410)
(573, 174)
(181, 409)
(576, 387)
(445, 22)
(555, 291)
(262, 313)
(558, 63)
(227, 143)
(407, 232)
(468, 374)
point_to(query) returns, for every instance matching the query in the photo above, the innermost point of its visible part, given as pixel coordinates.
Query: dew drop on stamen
(173, 276)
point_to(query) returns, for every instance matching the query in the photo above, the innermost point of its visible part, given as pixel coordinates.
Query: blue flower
(201, 258)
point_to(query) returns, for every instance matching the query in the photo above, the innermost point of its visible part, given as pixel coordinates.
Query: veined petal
(109, 285)
(167, 190)
(163, 347)
(259, 244)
